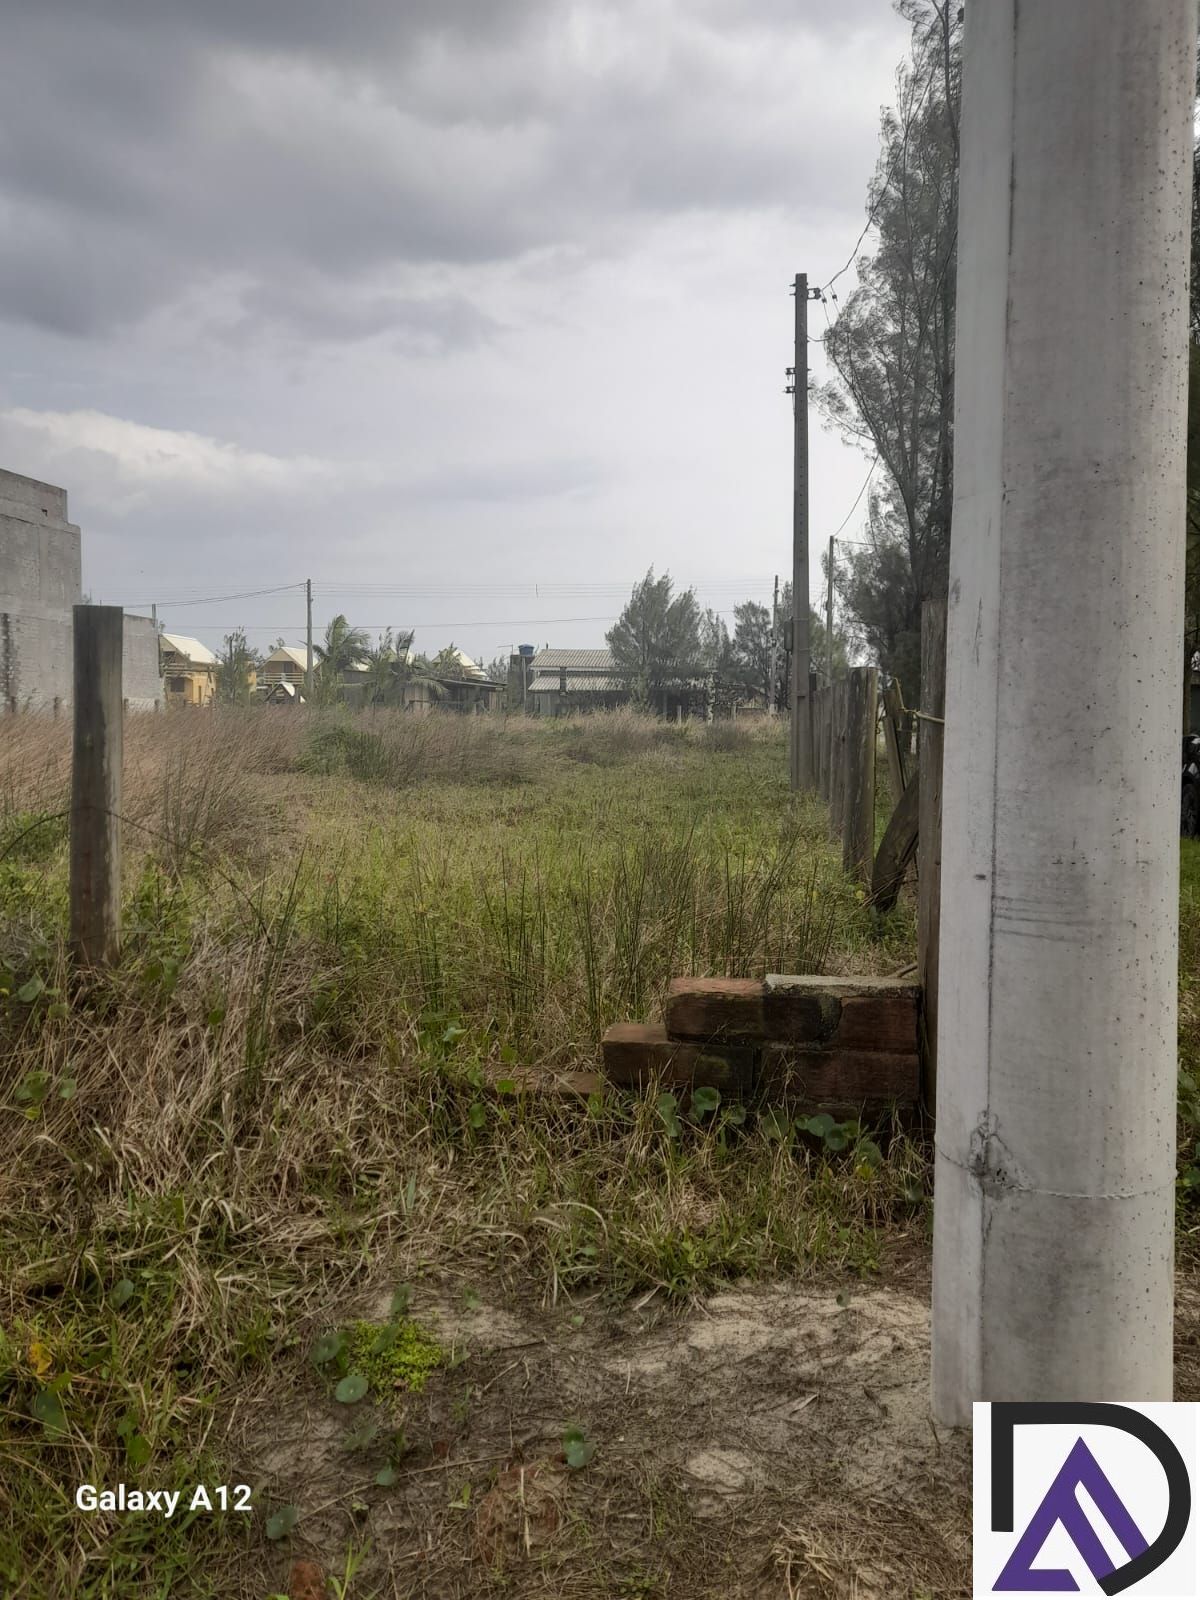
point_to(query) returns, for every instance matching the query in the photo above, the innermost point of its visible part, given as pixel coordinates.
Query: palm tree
(344, 647)
(382, 661)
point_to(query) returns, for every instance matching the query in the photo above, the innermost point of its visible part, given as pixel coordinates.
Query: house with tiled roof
(189, 670)
(558, 681)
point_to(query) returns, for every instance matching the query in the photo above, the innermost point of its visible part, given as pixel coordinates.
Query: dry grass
(344, 940)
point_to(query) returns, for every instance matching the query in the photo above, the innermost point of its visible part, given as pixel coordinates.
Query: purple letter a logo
(1079, 1470)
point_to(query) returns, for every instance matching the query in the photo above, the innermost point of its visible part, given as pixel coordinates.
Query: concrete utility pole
(801, 730)
(308, 665)
(829, 612)
(1054, 1203)
(774, 647)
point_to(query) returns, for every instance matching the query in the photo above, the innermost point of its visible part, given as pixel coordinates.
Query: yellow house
(286, 664)
(189, 670)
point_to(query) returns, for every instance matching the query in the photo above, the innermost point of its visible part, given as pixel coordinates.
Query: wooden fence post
(858, 817)
(841, 704)
(827, 743)
(95, 853)
(893, 714)
(813, 735)
(930, 740)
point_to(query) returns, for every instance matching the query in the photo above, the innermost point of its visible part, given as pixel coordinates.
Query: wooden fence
(846, 726)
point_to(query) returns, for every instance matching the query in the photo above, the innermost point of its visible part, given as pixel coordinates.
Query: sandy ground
(767, 1442)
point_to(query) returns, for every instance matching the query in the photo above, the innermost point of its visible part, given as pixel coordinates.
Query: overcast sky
(469, 310)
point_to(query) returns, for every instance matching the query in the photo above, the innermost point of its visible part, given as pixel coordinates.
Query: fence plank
(858, 815)
(896, 848)
(893, 739)
(837, 758)
(813, 736)
(95, 850)
(930, 740)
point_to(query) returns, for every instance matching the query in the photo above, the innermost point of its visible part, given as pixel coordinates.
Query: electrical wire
(854, 507)
(486, 622)
(883, 188)
(214, 599)
(546, 591)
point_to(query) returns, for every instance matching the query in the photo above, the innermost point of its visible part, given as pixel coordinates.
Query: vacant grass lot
(277, 1207)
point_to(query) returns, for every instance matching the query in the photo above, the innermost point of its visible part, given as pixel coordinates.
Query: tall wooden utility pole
(801, 740)
(1054, 1198)
(308, 664)
(774, 648)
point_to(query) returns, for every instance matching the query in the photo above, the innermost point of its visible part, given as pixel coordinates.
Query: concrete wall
(40, 580)
(141, 681)
(40, 583)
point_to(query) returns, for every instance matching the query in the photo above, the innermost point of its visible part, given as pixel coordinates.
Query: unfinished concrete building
(40, 583)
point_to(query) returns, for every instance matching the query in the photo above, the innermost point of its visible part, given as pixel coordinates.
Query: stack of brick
(842, 1045)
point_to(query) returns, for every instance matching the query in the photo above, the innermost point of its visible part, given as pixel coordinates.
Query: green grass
(341, 944)
(338, 946)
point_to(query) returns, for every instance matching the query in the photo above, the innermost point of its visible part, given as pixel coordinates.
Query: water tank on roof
(525, 650)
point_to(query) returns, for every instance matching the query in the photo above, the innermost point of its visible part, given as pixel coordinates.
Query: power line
(528, 591)
(883, 188)
(457, 591)
(854, 507)
(214, 599)
(486, 622)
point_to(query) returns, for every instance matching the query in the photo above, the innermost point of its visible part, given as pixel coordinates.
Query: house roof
(289, 652)
(583, 660)
(588, 671)
(472, 669)
(198, 654)
(578, 683)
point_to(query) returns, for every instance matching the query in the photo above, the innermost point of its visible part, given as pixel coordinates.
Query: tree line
(664, 637)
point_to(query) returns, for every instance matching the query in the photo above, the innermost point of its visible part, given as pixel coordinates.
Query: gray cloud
(414, 293)
(426, 325)
(185, 144)
(517, 481)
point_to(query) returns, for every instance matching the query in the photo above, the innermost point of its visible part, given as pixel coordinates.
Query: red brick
(634, 1053)
(838, 1080)
(878, 1023)
(724, 1009)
